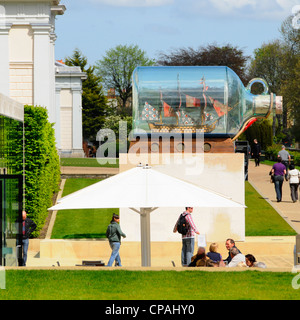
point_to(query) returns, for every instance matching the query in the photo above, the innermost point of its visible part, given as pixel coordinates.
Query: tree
(210, 55)
(94, 102)
(278, 62)
(291, 83)
(268, 64)
(116, 69)
(291, 94)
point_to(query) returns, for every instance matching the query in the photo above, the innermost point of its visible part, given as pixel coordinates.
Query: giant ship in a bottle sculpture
(186, 99)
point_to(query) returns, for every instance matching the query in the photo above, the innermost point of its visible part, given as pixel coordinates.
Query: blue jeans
(25, 243)
(115, 256)
(278, 181)
(187, 251)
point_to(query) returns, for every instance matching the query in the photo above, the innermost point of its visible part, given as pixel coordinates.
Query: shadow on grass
(85, 236)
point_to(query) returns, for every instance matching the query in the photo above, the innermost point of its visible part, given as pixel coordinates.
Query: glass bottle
(184, 99)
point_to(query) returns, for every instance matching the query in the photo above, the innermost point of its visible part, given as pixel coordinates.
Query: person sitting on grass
(229, 244)
(214, 255)
(201, 259)
(237, 258)
(251, 262)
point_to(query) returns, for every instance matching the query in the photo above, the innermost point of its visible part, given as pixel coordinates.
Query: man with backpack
(185, 225)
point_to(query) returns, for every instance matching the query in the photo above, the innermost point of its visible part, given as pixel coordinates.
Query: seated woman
(251, 262)
(213, 253)
(201, 260)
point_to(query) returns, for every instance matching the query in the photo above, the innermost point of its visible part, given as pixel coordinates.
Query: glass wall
(11, 189)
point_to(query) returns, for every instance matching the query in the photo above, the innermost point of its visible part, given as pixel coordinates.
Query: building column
(55, 113)
(4, 59)
(43, 65)
(77, 120)
(57, 123)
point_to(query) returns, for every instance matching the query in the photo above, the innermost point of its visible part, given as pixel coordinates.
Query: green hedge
(42, 170)
(260, 130)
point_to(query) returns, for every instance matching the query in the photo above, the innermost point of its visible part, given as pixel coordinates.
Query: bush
(272, 154)
(262, 131)
(42, 170)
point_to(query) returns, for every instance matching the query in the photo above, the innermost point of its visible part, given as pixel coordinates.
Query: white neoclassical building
(29, 74)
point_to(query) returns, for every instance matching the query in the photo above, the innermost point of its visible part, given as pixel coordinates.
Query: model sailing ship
(183, 114)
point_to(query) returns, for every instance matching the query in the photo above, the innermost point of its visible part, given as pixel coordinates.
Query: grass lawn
(86, 162)
(156, 285)
(261, 218)
(81, 223)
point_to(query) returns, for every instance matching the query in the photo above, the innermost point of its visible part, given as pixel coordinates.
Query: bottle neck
(263, 105)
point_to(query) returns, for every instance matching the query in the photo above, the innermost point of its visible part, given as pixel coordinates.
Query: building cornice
(58, 10)
(51, 2)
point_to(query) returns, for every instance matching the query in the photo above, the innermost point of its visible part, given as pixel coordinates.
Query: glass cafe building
(11, 180)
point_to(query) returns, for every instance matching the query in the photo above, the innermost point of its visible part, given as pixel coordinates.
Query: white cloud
(242, 9)
(287, 4)
(134, 3)
(229, 5)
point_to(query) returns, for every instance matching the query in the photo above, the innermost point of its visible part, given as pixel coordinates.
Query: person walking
(188, 240)
(256, 152)
(114, 234)
(285, 159)
(278, 171)
(294, 178)
(28, 226)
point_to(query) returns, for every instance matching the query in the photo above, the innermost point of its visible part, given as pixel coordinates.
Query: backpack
(182, 226)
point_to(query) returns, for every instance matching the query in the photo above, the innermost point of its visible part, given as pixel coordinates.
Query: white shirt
(294, 176)
(236, 260)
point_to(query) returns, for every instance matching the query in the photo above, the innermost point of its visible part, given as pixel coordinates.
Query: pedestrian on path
(256, 152)
(293, 176)
(278, 170)
(285, 159)
(114, 234)
(28, 226)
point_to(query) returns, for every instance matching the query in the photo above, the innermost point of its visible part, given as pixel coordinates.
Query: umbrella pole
(145, 237)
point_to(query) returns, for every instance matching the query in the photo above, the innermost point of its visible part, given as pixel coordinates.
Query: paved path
(260, 180)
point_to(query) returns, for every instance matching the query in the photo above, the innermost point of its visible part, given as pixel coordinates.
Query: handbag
(272, 177)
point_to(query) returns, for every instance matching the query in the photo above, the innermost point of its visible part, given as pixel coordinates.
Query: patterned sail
(149, 112)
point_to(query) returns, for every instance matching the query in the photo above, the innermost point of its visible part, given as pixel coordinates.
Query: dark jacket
(256, 149)
(114, 232)
(30, 226)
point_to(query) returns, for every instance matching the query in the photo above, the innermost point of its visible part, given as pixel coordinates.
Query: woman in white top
(294, 176)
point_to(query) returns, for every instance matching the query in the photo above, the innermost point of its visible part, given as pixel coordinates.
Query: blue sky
(94, 26)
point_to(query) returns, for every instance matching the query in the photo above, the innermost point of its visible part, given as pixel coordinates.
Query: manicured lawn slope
(81, 223)
(261, 218)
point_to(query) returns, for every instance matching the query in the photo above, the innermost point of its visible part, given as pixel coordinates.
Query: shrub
(272, 153)
(262, 131)
(42, 170)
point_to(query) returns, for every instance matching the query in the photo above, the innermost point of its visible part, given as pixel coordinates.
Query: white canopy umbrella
(143, 190)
